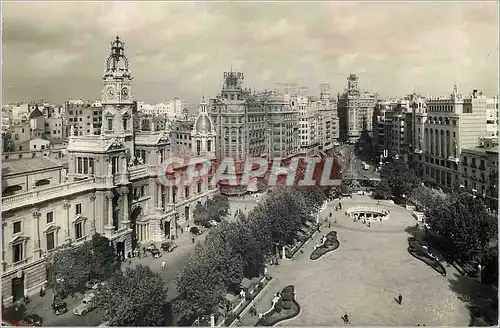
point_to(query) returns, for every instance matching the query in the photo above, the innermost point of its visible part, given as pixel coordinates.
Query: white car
(86, 305)
(213, 223)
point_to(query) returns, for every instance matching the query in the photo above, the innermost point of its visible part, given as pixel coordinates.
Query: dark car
(168, 246)
(59, 307)
(195, 231)
(33, 320)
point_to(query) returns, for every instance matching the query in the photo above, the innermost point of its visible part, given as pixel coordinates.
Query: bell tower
(117, 99)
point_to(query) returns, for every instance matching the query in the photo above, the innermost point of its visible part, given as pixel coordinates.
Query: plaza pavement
(363, 277)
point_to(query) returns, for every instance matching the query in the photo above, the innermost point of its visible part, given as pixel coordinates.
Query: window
(186, 191)
(110, 124)
(50, 217)
(124, 124)
(17, 252)
(51, 242)
(79, 230)
(78, 209)
(17, 227)
(199, 187)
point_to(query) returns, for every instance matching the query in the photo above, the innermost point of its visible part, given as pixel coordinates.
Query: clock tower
(117, 100)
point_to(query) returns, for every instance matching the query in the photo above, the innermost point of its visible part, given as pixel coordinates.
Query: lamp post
(479, 271)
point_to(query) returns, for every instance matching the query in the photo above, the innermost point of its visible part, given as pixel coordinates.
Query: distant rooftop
(19, 166)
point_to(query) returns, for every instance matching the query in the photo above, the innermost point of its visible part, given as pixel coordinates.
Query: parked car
(92, 284)
(195, 230)
(86, 305)
(168, 246)
(33, 320)
(213, 223)
(156, 253)
(59, 307)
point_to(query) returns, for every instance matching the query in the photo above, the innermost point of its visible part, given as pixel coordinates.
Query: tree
(201, 287)
(400, 177)
(200, 216)
(427, 197)
(136, 297)
(102, 257)
(8, 143)
(465, 226)
(73, 266)
(382, 190)
(71, 269)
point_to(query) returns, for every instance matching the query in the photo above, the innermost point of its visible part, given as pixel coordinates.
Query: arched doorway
(18, 288)
(120, 250)
(133, 224)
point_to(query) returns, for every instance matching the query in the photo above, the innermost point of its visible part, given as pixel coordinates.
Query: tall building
(355, 110)
(450, 124)
(111, 187)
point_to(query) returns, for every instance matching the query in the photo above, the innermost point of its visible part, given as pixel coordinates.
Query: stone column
(93, 228)
(37, 251)
(67, 235)
(109, 226)
(125, 218)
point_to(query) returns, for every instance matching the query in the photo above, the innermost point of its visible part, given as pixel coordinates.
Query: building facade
(450, 124)
(111, 186)
(355, 110)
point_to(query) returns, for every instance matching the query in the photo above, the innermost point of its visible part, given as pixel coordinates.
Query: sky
(57, 51)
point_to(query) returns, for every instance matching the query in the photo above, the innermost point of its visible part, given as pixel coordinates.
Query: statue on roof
(72, 131)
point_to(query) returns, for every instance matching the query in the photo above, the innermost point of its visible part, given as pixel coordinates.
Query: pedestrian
(192, 239)
(400, 299)
(163, 265)
(330, 214)
(329, 225)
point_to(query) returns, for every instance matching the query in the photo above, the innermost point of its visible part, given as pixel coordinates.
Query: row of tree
(215, 209)
(234, 250)
(397, 179)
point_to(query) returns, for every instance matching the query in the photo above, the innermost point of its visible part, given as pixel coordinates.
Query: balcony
(137, 171)
(33, 197)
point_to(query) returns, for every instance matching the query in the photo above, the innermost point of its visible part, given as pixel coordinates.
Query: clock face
(110, 92)
(125, 93)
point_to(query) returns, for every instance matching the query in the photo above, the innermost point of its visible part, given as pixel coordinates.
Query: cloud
(181, 49)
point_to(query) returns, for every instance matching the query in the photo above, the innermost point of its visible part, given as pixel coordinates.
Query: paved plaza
(364, 275)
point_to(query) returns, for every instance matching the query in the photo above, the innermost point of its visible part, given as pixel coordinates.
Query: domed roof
(203, 124)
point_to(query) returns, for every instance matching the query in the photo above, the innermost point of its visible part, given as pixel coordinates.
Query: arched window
(209, 145)
(43, 182)
(11, 190)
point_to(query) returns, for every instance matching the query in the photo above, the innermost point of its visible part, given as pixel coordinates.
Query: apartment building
(451, 124)
(492, 116)
(105, 189)
(85, 116)
(355, 110)
(479, 173)
(171, 108)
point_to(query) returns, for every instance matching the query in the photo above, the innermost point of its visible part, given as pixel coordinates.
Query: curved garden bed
(331, 244)
(286, 308)
(418, 251)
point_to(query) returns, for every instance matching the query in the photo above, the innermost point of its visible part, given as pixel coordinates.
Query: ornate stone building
(111, 187)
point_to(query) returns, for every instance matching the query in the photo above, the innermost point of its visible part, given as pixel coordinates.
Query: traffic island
(330, 243)
(416, 249)
(284, 307)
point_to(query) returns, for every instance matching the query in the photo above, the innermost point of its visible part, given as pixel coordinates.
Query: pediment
(50, 228)
(79, 218)
(109, 114)
(163, 139)
(20, 238)
(116, 145)
(125, 114)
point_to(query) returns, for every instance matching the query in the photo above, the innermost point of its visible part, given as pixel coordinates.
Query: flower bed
(418, 251)
(286, 308)
(331, 243)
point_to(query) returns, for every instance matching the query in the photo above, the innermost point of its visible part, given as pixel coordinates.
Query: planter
(286, 308)
(419, 252)
(331, 244)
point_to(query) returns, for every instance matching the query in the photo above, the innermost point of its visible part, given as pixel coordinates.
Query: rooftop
(19, 166)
